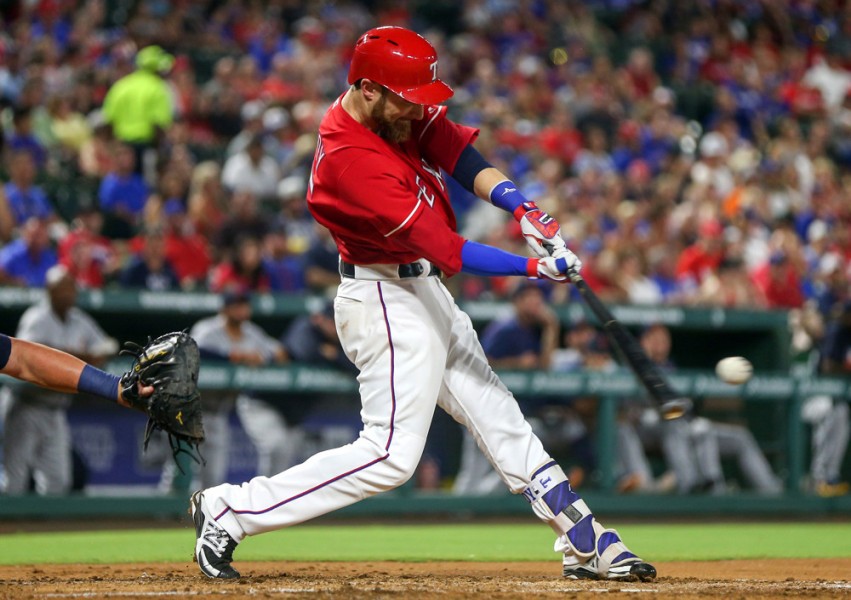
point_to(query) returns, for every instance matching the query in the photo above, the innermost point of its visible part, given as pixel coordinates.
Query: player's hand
(551, 268)
(557, 267)
(142, 390)
(542, 232)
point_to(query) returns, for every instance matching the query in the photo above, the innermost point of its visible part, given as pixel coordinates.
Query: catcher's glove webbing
(170, 364)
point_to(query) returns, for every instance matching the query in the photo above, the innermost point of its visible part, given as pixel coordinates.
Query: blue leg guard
(557, 504)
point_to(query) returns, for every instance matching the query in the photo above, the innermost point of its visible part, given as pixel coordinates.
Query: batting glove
(542, 232)
(552, 268)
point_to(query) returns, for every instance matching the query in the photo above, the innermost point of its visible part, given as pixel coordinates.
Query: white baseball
(734, 369)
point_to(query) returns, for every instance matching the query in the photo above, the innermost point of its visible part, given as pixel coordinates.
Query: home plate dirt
(805, 578)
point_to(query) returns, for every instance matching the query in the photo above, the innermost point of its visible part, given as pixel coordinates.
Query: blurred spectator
(244, 219)
(778, 282)
(22, 139)
(638, 287)
(594, 156)
(69, 127)
(37, 436)
(207, 199)
(186, 250)
(95, 154)
(139, 107)
(252, 170)
(219, 103)
(251, 114)
(244, 272)
(830, 77)
(297, 221)
(730, 287)
(169, 196)
(89, 256)
(829, 416)
(279, 136)
(25, 199)
(711, 170)
(25, 261)
(285, 270)
(321, 262)
(150, 269)
(702, 258)
(122, 195)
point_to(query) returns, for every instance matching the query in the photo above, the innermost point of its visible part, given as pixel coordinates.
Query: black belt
(406, 271)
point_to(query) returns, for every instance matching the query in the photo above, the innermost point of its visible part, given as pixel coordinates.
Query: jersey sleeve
(430, 237)
(441, 140)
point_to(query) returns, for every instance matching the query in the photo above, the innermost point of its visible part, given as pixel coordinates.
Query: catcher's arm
(58, 370)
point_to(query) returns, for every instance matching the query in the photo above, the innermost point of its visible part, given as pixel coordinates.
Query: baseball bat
(670, 404)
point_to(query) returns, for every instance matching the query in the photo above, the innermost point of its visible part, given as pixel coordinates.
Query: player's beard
(392, 131)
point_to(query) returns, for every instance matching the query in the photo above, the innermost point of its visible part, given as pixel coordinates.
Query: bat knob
(675, 409)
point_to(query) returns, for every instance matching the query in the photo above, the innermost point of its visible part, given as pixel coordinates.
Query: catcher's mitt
(170, 364)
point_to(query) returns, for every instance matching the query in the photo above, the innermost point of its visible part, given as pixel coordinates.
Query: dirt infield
(810, 578)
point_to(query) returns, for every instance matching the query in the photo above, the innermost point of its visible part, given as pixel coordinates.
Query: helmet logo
(433, 67)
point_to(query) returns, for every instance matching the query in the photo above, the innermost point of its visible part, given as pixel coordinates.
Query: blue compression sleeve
(469, 164)
(479, 259)
(97, 382)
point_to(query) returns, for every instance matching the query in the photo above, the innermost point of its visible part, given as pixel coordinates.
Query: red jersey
(383, 202)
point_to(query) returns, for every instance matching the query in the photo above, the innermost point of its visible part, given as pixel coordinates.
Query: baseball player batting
(377, 184)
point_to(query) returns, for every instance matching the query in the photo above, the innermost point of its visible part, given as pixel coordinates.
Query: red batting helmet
(402, 61)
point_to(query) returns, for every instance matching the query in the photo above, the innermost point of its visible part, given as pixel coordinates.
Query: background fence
(108, 438)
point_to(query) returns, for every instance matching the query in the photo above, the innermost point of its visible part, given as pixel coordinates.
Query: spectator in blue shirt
(122, 195)
(23, 139)
(286, 270)
(26, 200)
(25, 261)
(151, 269)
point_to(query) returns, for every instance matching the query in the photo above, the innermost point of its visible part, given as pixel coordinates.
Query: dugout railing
(701, 336)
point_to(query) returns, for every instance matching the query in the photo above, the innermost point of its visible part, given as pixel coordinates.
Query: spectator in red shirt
(703, 257)
(245, 272)
(89, 256)
(185, 249)
(777, 280)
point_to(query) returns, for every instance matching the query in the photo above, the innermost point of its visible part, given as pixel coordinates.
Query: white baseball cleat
(213, 545)
(611, 560)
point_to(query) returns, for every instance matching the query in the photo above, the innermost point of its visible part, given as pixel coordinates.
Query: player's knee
(400, 469)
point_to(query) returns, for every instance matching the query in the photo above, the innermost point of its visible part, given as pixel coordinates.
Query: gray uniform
(263, 424)
(37, 439)
(693, 449)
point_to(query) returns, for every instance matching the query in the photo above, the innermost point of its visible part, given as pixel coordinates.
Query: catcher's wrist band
(97, 382)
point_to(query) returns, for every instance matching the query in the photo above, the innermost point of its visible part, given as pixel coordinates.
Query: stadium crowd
(695, 153)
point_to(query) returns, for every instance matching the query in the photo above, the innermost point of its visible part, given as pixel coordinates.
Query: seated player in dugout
(377, 184)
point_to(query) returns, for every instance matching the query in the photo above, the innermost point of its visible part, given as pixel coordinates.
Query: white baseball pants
(415, 349)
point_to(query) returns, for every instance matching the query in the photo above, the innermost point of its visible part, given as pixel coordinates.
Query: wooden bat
(670, 404)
